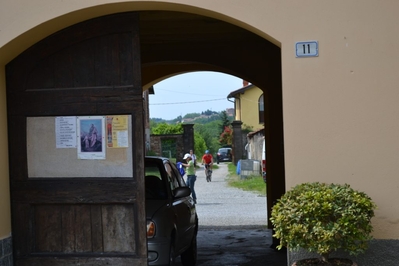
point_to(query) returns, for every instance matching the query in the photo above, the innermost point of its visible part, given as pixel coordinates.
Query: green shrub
(322, 218)
(151, 153)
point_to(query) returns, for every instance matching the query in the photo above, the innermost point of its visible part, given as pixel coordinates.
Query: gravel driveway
(232, 225)
(221, 205)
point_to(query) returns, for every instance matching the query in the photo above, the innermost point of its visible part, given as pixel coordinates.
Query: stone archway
(175, 42)
(169, 43)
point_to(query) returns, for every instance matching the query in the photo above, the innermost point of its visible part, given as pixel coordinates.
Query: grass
(251, 183)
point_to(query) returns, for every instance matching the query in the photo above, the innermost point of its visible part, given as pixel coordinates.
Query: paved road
(232, 225)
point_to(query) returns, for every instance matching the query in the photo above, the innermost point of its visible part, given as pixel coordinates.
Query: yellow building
(248, 106)
(327, 69)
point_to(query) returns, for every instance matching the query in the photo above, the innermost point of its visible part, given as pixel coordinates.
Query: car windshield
(154, 184)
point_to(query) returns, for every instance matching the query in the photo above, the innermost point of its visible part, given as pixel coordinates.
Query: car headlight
(150, 229)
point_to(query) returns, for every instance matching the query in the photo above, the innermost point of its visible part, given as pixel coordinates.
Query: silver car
(172, 221)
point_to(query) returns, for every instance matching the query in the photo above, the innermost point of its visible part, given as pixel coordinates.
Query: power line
(188, 102)
(185, 92)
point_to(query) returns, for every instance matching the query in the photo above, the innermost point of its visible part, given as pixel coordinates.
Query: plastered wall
(249, 103)
(5, 218)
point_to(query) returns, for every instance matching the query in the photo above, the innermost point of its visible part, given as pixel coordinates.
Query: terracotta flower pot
(331, 262)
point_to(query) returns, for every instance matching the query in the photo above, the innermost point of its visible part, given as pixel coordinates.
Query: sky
(192, 92)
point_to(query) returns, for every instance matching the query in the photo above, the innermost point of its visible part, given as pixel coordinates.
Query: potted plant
(322, 218)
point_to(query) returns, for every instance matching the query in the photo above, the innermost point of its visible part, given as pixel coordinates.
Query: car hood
(152, 206)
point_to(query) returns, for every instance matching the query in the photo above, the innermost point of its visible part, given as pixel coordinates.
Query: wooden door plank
(75, 190)
(83, 228)
(118, 228)
(96, 228)
(22, 244)
(48, 229)
(99, 261)
(68, 229)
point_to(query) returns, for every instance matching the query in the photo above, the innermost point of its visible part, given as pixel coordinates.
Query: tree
(208, 112)
(210, 134)
(208, 119)
(178, 119)
(199, 144)
(153, 123)
(208, 128)
(192, 115)
(225, 121)
(226, 138)
(163, 128)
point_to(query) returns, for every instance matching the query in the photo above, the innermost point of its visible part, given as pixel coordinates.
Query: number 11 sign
(307, 49)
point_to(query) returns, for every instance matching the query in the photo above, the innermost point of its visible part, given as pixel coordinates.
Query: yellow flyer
(117, 131)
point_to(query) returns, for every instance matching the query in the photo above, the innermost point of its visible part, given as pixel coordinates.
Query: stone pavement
(232, 225)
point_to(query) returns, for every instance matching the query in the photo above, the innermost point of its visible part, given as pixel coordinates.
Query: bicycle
(208, 173)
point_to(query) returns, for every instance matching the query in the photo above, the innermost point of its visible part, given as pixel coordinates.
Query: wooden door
(89, 69)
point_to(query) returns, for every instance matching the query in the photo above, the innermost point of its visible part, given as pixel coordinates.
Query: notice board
(77, 146)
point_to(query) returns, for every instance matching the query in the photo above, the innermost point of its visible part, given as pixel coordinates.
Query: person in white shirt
(193, 157)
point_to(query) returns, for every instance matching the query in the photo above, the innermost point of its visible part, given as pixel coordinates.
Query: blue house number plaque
(307, 49)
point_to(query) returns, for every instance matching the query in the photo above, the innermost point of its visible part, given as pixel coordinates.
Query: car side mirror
(182, 192)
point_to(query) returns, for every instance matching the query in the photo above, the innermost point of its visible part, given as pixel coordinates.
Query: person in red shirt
(207, 159)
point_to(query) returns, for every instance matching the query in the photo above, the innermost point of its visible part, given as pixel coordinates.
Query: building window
(261, 110)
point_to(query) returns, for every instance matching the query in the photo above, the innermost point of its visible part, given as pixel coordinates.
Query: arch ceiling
(176, 42)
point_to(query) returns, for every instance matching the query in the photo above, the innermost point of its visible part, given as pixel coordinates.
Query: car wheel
(172, 252)
(189, 257)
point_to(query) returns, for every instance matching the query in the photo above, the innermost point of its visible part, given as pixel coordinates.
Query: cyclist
(207, 159)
